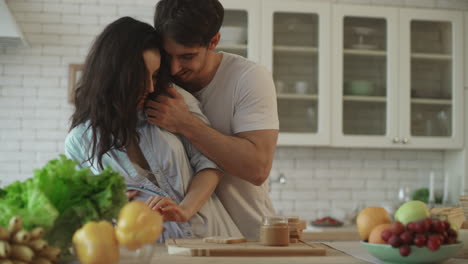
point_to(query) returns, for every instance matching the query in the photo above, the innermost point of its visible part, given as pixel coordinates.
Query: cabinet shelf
(296, 49)
(293, 96)
(228, 46)
(431, 101)
(370, 99)
(431, 56)
(360, 52)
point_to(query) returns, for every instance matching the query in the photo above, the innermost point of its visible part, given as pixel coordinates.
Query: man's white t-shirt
(241, 97)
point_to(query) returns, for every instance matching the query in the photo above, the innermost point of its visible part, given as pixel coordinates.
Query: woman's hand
(169, 209)
(132, 193)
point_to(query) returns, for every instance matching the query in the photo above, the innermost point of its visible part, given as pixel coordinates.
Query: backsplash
(323, 181)
(34, 112)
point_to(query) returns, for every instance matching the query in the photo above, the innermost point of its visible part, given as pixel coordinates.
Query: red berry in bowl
(420, 227)
(405, 250)
(433, 243)
(406, 237)
(446, 225)
(386, 234)
(427, 223)
(411, 226)
(397, 228)
(395, 241)
(437, 226)
(420, 240)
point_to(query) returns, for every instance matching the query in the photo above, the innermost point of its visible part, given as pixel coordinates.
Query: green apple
(411, 211)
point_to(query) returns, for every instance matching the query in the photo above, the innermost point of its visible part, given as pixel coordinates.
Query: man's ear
(214, 41)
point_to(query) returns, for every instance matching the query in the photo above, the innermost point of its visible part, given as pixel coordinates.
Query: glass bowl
(139, 256)
(423, 255)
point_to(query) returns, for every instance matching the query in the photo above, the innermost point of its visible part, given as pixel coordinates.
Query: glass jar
(274, 231)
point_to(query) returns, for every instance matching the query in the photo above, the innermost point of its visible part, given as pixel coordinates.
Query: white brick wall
(34, 111)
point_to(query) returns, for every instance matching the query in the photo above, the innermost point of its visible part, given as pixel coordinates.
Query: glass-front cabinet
(431, 78)
(364, 84)
(240, 29)
(398, 78)
(356, 76)
(295, 37)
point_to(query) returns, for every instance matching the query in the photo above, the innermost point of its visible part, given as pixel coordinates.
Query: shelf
(371, 99)
(228, 46)
(298, 49)
(431, 101)
(360, 52)
(431, 56)
(293, 96)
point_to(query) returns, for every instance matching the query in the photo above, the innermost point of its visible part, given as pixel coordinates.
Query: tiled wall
(323, 181)
(34, 111)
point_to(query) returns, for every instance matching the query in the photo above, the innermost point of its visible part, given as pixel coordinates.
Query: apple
(411, 211)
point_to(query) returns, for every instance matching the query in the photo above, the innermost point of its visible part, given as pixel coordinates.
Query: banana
(38, 245)
(19, 262)
(51, 253)
(40, 260)
(22, 253)
(4, 234)
(21, 237)
(15, 224)
(37, 233)
(5, 249)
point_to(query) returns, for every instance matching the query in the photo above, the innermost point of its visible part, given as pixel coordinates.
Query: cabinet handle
(405, 141)
(396, 140)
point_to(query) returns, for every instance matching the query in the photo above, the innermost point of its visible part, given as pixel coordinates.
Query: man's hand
(169, 209)
(170, 113)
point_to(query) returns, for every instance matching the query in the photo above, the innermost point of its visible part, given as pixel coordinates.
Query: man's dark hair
(114, 79)
(189, 22)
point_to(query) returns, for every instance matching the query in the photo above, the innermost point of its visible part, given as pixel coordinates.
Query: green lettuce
(61, 198)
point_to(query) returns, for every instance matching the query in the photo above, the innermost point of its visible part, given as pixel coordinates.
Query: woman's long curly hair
(114, 79)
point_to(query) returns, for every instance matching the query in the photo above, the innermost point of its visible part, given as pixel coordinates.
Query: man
(237, 96)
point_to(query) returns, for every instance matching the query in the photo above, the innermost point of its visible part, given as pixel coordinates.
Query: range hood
(10, 33)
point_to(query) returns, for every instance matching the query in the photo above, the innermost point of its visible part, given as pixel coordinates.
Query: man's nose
(175, 66)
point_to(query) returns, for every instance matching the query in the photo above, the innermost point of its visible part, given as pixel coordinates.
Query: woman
(122, 69)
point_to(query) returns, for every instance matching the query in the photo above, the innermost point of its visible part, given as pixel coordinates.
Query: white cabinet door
(365, 76)
(241, 28)
(295, 47)
(431, 79)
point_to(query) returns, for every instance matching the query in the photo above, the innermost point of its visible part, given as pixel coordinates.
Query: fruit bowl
(419, 255)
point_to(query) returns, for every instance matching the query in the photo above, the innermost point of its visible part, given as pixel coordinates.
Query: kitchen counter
(333, 256)
(342, 233)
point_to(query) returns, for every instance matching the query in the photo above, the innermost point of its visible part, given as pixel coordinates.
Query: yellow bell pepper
(138, 225)
(95, 243)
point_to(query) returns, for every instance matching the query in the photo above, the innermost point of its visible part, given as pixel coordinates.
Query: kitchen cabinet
(294, 37)
(356, 76)
(295, 40)
(241, 28)
(365, 57)
(398, 79)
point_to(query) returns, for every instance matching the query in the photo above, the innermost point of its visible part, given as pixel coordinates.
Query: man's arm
(248, 155)
(201, 187)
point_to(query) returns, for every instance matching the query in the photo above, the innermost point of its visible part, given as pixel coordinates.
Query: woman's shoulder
(193, 104)
(78, 134)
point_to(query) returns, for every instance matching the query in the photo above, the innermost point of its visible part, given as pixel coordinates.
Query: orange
(375, 236)
(369, 218)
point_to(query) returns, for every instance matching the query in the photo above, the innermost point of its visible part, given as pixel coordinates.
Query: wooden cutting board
(196, 247)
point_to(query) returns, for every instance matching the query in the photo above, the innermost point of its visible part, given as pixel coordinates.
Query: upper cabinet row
(356, 76)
